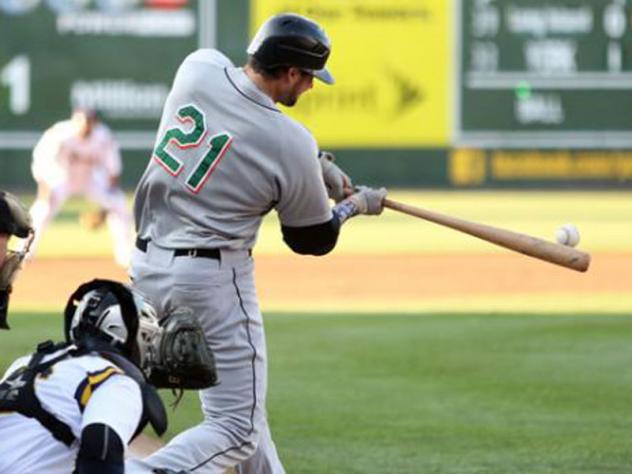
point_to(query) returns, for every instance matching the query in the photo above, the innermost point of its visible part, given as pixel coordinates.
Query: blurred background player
(76, 405)
(80, 157)
(14, 220)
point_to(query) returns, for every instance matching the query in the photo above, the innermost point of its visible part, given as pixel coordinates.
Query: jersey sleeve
(302, 196)
(45, 153)
(117, 403)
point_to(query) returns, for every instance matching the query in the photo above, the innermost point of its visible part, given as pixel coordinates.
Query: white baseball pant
(112, 200)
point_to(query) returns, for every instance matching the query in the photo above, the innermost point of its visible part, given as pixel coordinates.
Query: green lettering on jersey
(190, 139)
(205, 167)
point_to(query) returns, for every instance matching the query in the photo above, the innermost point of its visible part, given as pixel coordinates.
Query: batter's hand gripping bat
(532, 246)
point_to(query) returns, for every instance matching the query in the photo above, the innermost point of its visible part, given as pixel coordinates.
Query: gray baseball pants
(221, 293)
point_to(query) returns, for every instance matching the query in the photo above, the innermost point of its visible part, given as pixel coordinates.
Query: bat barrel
(528, 245)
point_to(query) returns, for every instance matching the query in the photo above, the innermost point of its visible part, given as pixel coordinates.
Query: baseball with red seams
(567, 235)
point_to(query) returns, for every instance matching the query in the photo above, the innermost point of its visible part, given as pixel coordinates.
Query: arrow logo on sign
(408, 93)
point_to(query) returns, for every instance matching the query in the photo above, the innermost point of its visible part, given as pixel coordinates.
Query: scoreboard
(544, 74)
(115, 56)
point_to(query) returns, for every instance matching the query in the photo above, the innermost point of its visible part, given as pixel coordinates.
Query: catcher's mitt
(183, 359)
(93, 220)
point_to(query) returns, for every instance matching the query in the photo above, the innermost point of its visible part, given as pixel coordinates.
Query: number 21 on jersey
(219, 145)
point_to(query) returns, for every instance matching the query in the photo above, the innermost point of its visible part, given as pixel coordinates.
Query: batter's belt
(215, 254)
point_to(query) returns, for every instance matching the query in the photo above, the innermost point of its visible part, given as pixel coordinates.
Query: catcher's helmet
(288, 39)
(114, 313)
(14, 217)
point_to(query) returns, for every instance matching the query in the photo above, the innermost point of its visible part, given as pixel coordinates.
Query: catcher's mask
(116, 314)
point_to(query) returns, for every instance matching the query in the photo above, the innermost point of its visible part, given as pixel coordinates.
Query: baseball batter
(225, 156)
(73, 407)
(80, 157)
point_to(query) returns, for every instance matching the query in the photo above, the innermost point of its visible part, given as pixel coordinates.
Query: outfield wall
(424, 168)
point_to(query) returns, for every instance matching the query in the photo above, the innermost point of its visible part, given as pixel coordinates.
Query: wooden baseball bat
(532, 246)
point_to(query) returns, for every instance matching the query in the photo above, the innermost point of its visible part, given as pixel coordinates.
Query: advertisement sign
(117, 57)
(391, 61)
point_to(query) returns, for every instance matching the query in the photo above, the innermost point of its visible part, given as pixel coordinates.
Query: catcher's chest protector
(17, 393)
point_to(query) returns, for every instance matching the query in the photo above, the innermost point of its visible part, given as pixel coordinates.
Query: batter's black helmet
(288, 39)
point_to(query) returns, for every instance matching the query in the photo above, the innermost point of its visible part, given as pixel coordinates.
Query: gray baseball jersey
(224, 157)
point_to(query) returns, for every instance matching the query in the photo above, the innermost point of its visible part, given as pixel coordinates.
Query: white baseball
(567, 235)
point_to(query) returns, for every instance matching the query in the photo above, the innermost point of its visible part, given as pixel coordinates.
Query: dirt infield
(297, 282)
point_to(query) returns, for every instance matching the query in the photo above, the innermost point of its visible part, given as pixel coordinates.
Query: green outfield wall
(495, 94)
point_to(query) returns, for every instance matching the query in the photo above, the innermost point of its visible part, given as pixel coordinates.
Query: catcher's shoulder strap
(154, 411)
(17, 392)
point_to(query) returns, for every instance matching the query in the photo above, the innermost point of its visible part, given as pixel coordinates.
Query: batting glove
(369, 201)
(337, 182)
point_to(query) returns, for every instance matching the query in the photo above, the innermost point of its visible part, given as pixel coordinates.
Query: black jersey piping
(254, 381)
(246, 95)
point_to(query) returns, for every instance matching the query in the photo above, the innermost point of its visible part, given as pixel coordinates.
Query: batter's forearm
(345, 210)
(320, 239)
(365, 200)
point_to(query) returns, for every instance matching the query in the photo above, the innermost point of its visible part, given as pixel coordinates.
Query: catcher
(14, 220)
(74, 406)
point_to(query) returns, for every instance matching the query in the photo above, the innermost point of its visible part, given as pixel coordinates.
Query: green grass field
(451, 393)
(428, 392)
